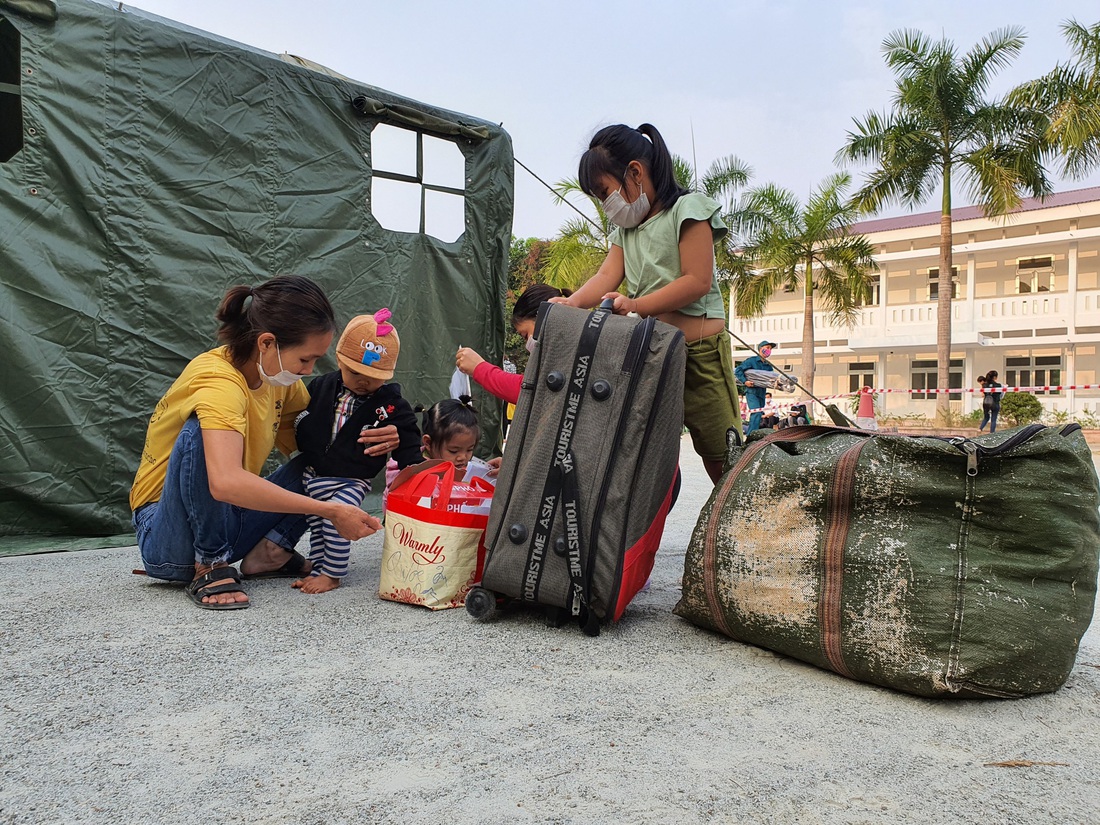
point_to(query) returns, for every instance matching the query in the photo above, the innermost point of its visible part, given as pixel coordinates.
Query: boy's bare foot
(267, 557)
(231, 597)
(321, 583)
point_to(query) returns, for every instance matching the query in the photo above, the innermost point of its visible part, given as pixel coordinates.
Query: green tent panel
(144, 168)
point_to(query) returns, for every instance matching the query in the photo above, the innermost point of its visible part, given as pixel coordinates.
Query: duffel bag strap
(725, 488)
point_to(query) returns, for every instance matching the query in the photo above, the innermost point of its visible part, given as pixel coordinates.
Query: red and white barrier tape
(872, 391)
(1052, 388)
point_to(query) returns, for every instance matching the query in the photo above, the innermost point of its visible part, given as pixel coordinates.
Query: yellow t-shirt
(216, 391)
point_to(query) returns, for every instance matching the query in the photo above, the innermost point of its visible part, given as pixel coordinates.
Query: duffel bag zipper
(974, 450)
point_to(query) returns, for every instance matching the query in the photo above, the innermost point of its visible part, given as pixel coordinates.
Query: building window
(1028, 282)
(924, 375)
(417, 183)
(934, 283)
(1037, 371)
(11, 102)
(871, 296)
(860, 375)
(1034, 275)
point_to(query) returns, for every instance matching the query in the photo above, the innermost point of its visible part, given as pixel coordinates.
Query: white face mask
(623, 214)
(529, 345)
(283, 378)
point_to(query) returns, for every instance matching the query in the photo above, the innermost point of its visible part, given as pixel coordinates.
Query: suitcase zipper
(638, 354)
(639, 336)
(614, 597)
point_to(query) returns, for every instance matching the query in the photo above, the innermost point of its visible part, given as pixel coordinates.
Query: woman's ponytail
(291, 307)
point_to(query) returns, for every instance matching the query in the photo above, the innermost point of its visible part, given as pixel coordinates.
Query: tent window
(11, 104)
(417, 183)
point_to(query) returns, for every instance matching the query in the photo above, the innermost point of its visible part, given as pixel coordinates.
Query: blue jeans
(990, 418)
(188, 526)
(755, 398)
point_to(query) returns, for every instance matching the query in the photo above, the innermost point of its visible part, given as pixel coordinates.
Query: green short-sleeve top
(651, 251)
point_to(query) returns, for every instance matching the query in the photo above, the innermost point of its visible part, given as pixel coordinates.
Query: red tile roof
(970, 212)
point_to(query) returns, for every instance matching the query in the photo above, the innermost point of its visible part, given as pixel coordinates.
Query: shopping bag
(433, 551)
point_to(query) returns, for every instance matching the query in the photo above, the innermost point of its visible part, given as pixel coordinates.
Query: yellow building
(1026, 304)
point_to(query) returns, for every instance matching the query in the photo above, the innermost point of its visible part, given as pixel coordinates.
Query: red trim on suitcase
(638, 558)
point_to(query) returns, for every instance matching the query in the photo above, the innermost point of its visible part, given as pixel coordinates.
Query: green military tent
(145, 167)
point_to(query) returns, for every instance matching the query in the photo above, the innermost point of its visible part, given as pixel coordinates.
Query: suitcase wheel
(481, 603)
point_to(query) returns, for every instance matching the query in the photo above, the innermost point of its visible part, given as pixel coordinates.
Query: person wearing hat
(753, 393)
(343, 404)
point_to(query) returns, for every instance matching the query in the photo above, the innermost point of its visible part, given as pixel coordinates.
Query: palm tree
(791, 246)
(582, 243)
(940, 124)
(1070, 97)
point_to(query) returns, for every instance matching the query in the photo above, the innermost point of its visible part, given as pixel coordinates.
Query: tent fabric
(161, 165)
(416, 118)
(41, 9)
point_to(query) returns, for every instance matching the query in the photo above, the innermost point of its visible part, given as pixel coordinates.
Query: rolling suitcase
(589, 473)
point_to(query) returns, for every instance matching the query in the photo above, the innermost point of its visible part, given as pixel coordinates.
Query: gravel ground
(124, 703)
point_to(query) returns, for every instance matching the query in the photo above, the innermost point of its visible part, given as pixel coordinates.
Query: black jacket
(993, 399)
(344, 458)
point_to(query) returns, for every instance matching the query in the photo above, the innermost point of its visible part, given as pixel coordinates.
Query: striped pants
(328, 550)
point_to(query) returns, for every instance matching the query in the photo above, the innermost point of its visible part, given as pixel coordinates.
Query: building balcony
(1046, 316)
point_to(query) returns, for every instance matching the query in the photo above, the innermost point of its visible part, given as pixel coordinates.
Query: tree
(1021, 408)
(1069, 97)
(941, 124)
(791, 246)
(582, 244)
(526, 259)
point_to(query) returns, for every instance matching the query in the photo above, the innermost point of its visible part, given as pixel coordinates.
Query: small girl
(450, 432)
(506, 385)
(664, 249)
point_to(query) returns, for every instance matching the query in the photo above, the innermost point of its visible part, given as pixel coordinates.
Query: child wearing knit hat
(343, 404)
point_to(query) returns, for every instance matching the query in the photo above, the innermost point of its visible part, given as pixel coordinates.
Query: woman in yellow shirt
(198, 501)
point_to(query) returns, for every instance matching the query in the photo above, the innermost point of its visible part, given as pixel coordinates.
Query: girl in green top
(663, 248)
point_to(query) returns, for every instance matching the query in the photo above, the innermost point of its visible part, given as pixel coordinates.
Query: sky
(775, 83)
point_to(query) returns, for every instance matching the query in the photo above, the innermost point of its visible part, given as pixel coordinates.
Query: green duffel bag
(942, 567)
